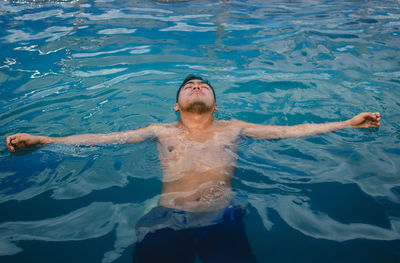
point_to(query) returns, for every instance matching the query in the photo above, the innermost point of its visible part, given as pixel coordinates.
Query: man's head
(195, 95)
(193, 77)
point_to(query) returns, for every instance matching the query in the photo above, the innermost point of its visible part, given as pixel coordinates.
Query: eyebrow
(192, 81)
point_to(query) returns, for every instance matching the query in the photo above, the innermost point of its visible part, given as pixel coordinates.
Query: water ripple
(103, 66)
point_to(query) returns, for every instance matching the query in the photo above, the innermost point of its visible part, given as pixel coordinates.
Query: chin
(199, 107)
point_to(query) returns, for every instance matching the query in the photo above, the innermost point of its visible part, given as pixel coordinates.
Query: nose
(196, 87)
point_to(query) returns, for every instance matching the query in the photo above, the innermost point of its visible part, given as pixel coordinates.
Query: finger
(17, 139)
(12, 138)
(376, 124)
(8, 141)
(10, 147)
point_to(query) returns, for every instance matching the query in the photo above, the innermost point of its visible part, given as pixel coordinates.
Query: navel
(171, 148)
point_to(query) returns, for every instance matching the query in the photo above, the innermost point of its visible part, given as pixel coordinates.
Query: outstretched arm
(269, 132)
(24, 140)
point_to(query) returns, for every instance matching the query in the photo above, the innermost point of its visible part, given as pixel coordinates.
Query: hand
(365, 120)
(21, 140)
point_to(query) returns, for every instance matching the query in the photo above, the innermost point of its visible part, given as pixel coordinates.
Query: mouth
(197, 93)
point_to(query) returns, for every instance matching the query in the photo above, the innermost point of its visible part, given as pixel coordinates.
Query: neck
(196, 121)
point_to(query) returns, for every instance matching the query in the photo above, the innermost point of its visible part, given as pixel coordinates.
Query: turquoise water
(102, 66)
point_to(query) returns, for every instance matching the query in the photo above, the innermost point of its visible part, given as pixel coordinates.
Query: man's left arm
(271, 132)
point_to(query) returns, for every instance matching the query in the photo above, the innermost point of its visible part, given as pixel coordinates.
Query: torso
(197, 167)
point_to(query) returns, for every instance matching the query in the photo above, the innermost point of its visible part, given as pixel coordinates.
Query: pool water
(71, 67)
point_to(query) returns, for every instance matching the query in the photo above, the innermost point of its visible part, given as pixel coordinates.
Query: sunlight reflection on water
(70, 67)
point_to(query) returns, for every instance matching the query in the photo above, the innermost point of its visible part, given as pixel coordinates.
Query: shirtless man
(197, 156)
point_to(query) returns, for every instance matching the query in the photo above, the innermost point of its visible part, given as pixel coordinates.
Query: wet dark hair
(192, 77)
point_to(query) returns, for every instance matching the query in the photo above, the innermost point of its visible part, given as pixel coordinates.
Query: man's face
(196, 93)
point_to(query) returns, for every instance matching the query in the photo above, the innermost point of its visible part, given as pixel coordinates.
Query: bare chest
(186, 152)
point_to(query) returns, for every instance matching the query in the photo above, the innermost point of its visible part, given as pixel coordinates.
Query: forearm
(360, 121)
(271, 132)
(256, 131)
(24, 140)
(85, 139)
(131, 136)
(309, 129)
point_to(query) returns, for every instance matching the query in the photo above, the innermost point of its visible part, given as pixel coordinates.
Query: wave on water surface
(99, 66)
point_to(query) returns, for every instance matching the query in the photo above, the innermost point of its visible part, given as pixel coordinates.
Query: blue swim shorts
(172, 235)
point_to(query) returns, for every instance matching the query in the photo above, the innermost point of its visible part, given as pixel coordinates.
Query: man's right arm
(24, 140)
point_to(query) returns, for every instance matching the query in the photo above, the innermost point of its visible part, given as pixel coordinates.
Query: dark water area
(72, 67)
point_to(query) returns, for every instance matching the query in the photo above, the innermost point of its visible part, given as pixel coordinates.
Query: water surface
(71, 67)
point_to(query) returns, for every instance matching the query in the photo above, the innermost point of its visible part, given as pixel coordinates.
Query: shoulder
(160, 129)
(165, 126)
(249, 129)
(160, 126)
(235, 123)
(235, 126)
(151, 130)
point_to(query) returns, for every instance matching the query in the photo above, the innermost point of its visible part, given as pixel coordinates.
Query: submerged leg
(165, 245)
(226, 241)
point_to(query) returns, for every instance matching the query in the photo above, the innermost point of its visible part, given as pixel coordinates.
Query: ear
(176, 107)
(215, 107)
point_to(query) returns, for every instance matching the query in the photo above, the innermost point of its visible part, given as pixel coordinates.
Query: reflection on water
(296, 212)
(70, 67)
(95, 220)
(170, 1)
(214, 193)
